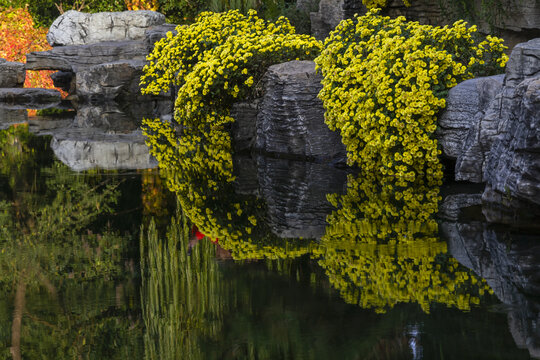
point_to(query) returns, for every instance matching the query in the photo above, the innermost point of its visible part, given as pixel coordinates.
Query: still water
(109, 264)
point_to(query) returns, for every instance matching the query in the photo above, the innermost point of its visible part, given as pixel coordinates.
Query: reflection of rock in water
(103, 136)
(295, 193)
(510, 263)
(107, 136)
(83, 149)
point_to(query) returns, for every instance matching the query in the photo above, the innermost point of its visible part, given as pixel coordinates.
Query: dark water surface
(104, 264)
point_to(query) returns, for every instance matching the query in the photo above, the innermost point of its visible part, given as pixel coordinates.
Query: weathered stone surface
(245, 120)
(116, 80)
(330, 13)
(291, 117)
(454, 205)
(64, 80)
(510, 264)
(30, 98)
(12, 74)
(156, 33)
(75, 57)
(465, 106)
(524, 62)
(83, 149)
(295, 194)
(77, 28)
(513, 164)
(10, 117)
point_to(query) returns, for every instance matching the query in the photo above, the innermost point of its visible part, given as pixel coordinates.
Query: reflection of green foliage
(48, 251)
(182, 294)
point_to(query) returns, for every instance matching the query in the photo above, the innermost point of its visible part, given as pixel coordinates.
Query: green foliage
(44, 12)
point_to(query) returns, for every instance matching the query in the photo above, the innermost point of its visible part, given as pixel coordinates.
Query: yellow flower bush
(384, 82)
(213, 63)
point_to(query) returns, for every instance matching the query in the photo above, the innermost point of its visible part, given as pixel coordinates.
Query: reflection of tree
(45, 245)
(182, 295)
(381, 248)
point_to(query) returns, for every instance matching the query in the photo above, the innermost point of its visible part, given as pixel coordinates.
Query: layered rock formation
(490, 126)
(100, 56)
(291, 117)
(12, 74)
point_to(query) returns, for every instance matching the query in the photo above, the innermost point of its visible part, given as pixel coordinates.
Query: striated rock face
(513, 163)
(12, 74)
(291, 117)
(115, 80)
(77, 28)
(245, 120)
(74, 57)
(465, 107)
(295, 193)
(510, 263)
(30, 98)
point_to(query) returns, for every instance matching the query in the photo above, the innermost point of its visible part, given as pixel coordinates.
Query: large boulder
(513, 163)
(77, 28)
(12, 74)
(291, 117)
(465, 107)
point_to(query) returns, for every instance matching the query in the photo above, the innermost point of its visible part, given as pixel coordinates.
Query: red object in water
(199, 235)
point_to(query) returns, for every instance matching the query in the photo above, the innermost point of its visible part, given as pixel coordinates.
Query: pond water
(108, 264)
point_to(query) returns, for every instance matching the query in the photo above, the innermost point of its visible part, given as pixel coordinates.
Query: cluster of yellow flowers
(384, 82)
(373, 4)
(212, 63)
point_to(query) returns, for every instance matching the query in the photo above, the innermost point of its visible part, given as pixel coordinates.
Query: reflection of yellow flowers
(381, 248)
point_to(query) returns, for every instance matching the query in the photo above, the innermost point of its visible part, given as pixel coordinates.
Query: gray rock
(84, 149)
(10, 117)
(454, 205)
(12, 74)
(524, 62)
(295, 195)
(245, 119)
(115, 80)
(76, 57)
(30, 98)
(510, 264)
(465, 106)
(156, 33)
(64, 80)
(330, 13)
(77, 28)
(291, 117)
(513, 163)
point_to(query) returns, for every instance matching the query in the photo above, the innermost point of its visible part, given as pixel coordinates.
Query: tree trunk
(17, 321)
